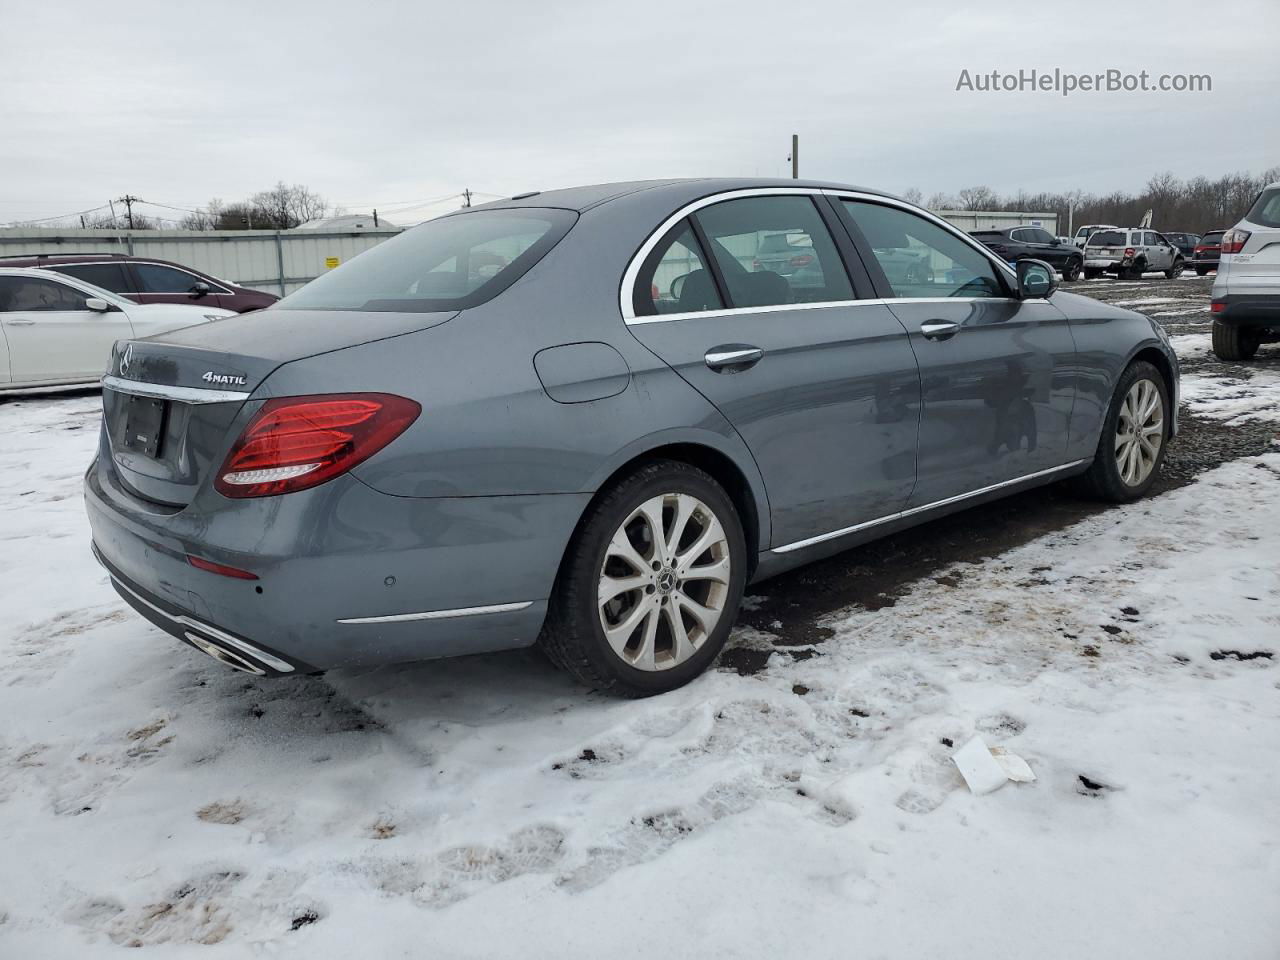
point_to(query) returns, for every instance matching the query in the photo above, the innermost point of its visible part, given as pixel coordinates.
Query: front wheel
(1175, 271)
(651, 585)
(1134, 435)
(1231, 342)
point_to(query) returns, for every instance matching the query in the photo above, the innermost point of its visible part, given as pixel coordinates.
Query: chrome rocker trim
(845, 531)
(444, 614)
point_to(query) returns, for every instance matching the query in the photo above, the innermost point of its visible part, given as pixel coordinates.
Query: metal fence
(970, 220)
(276, 261)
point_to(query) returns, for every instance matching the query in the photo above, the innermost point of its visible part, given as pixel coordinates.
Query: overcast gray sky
(373, 103)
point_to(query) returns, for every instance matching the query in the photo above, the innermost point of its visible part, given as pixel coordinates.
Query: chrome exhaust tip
(224, 656)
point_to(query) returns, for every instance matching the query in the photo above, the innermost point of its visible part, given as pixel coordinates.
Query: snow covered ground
(487, 807)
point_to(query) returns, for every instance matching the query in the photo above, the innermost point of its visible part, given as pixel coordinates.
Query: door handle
(20, 323)
(733, 357)
(939, 329)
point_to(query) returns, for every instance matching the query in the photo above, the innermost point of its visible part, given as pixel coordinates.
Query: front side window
(1041, 236)
(920, 258)
(773, 251)
(28, 295)
(108, 276)
(451, 263)
(153, 278)
(675, 278)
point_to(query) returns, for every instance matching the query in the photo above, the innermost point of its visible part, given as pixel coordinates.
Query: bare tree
(942, 201)
(913, 195)
(978, 198)
(207, 219)
(284, 207)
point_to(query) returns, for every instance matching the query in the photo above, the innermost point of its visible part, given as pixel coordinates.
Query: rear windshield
(1108, 238)
(452, 263)
(1213, 236)
(1266, 210)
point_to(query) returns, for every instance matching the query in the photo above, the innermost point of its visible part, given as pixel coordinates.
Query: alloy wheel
(1139, 432)
(664, 581)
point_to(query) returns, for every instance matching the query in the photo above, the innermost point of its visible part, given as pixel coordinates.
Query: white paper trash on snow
(986, 769)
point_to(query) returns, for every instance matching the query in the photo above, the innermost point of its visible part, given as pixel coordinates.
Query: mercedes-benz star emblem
(126, 359)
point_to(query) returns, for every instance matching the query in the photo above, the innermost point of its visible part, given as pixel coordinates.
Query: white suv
(1246, 294)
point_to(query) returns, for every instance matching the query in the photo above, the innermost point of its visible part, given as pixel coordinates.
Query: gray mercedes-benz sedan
(588, 418)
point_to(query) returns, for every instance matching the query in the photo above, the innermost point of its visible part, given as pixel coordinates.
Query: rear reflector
(1217, 306)
(220, 568)
(294, 443)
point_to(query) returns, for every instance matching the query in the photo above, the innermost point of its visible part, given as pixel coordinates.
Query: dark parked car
(147, 280)
(1019, 243)
(1185, 242)
(1207, 252)
(597, 445)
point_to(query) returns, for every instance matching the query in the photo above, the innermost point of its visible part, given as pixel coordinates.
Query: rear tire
(1135, 434)
(655, 630)
(1090, 273)
(1071, 272)
(1202, 271)
(1232, 342)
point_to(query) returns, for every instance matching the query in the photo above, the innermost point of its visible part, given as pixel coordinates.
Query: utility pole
(375, 218)
(795, 156)
(466, 197)
(128, 202)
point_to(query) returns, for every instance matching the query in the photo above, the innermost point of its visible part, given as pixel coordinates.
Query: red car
(147, 280)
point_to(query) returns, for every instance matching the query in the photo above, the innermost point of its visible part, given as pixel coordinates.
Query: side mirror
(97, 305)
(200, 289)
(1036, 280)
(1056, 242)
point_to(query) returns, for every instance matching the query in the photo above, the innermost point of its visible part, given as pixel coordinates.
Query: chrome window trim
(845, 531)
(162, 391)
(444, 614)
(213, 287)
(632, 273)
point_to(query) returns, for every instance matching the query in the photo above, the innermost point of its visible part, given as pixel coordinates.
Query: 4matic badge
(228, 379)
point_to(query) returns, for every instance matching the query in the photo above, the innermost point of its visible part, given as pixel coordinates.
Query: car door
(161, 283)
(52, 336)
(997, 373)
(1049, 249)
(822, 387)
(1157, 254)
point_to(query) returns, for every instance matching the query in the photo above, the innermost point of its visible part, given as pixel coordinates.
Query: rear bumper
(347, 576)
(1098, 263)
(1249, 309)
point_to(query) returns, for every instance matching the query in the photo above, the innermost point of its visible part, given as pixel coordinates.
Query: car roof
(584, 198)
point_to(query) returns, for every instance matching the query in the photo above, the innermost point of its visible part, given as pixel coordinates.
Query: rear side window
(1266, 209)
(452, 263)
(1214, 236)
(108, 276)
(773, 251)
(29, 295)
(920, 258)
(675, 278)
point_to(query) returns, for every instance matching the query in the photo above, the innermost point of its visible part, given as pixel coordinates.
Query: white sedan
(58, 331)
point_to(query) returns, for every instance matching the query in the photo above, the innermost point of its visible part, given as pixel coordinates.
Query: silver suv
(1246, 294)
(1131, 253)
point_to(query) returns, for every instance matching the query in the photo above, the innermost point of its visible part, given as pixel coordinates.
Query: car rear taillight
(1129, 251)
(802, 260)
(1233, 240)
(1200, 248)
(293, 443)
(1217, 306)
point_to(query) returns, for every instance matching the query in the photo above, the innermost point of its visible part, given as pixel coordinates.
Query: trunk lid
(170, 403)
